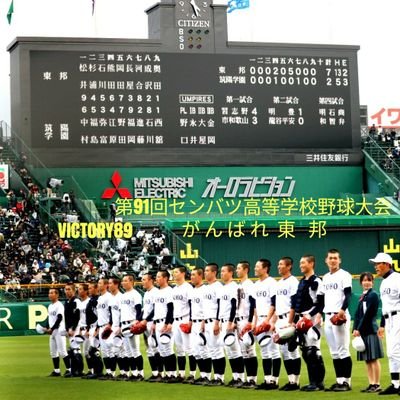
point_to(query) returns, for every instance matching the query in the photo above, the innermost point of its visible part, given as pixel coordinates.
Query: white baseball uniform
(285, 289)
(129, 300)
(264, 290)
(390, 297)
(104, 304)
(197, 296)
(246, 289)
(229, 292)
(163, 297)
(332, 287)
(212, 295)
(148, 314)
(57, 343)
(181, 296)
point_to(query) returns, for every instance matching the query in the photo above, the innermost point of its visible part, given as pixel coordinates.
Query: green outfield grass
(25, 364)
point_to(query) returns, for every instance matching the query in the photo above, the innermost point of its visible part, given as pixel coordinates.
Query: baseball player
(92, 332)
(265, 296)
(131, 311)
(162, 325)
(305, 305)
(71, 313)
(335, 293)
(82, 329)
(227, 315)
(211, 305)
(182, 308)
(71, 309)
(119, 355)
(244, 319)
(285, 296)
(390, 322)
(104, 321)
(58, 343)
(197, 330)
(148, 314)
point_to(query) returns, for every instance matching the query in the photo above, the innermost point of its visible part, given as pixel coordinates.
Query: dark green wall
(356, 247)
(310, 181)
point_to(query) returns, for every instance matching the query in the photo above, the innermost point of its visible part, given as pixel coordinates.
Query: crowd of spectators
(384, 135)
(32, 253)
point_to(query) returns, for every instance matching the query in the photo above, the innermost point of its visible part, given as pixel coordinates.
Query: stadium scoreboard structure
(186, 96)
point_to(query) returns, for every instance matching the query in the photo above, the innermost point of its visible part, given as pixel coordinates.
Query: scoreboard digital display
(153, 99)
(185, 96)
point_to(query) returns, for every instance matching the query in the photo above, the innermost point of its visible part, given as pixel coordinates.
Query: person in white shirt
(104, 321)
(390, 322)
(284, 308)
(335, 294)
(119, 353)
(306, 307)
(197, 329)
(58, 342)
(181, 293)
(265, 296)
(244, 320)
(211, 305)
(162, 325)
(82, 328)
(227, 317)
(131, 311)
(148, 314)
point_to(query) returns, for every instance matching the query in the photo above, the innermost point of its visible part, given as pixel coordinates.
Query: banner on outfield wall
(19, 319)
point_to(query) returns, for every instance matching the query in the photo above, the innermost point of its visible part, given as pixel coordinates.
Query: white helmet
(229, 339)
(40, 329)
(358, 344)
(248, 338)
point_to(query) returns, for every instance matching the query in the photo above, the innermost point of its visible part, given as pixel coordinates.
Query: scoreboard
(131, 102)
(179, 100)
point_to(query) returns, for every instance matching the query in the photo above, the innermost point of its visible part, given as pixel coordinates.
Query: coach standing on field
(390, 297)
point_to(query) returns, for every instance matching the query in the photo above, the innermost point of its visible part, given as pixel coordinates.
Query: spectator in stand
(113, 212)
(393, 135)
(381, 133)
(396, 152)
(372, 131)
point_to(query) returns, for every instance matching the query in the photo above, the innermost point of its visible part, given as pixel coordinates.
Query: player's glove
(337, 320)
(264, 327)
(185, 328)
(137, 328)
(303, 325)
(106, 333)
(247, 328)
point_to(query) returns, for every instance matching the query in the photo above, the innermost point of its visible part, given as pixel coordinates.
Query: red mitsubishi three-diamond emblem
(109, 193)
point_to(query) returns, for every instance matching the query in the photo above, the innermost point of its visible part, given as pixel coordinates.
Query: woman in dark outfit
(365, 325)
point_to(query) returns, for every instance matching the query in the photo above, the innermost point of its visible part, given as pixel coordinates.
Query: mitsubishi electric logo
(109, 193)
(176, 187)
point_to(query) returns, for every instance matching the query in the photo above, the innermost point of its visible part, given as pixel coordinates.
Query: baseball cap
(358, 344)
(381, 258)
